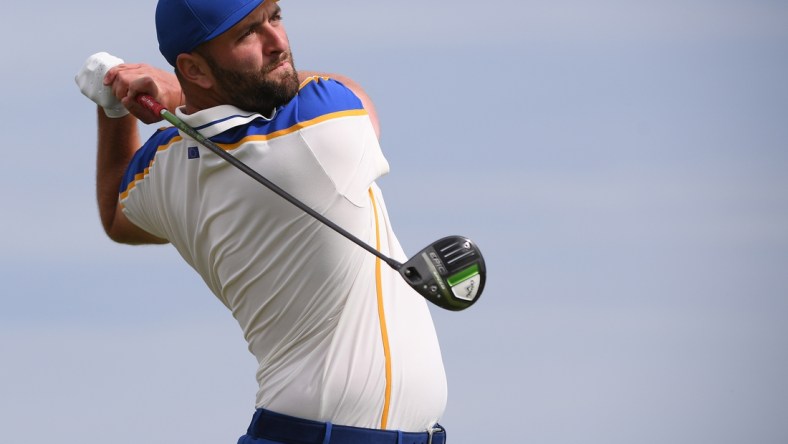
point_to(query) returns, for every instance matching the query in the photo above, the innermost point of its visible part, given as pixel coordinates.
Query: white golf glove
(90, 80)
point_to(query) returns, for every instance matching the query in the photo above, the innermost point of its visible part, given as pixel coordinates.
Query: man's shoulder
(319, 99)
(160, 140)
(162, 136)
(326, 94)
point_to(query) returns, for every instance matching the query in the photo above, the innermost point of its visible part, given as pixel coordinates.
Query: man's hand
(129, 80)
(90, 80)
(114, 85)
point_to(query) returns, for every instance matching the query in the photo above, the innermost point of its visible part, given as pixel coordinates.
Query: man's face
(252, 63)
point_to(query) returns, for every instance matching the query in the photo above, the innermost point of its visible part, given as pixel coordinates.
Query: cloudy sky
(622, 164)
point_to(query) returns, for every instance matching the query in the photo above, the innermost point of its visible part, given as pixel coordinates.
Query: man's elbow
(127, 239)
(128, 234)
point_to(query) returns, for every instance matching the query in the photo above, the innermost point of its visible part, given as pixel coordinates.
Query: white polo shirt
(339, 336)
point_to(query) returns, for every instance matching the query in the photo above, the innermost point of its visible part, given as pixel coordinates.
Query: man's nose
(275, 40)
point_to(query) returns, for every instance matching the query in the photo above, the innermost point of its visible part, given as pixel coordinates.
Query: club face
(450, 273)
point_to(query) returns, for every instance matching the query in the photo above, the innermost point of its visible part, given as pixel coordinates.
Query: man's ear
(194, 69)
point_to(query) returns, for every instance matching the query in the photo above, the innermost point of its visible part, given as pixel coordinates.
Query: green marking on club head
(463, 275)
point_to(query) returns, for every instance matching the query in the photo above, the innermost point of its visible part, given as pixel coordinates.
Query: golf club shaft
(151, 104)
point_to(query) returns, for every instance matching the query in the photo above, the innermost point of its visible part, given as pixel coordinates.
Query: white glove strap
(90, 80)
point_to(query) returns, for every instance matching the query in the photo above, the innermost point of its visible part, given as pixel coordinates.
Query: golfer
(347, 351)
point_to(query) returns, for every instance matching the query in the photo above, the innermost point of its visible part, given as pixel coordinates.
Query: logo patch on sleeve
(193, 152)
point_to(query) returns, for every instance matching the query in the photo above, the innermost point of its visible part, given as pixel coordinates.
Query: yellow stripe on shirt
(382, 316)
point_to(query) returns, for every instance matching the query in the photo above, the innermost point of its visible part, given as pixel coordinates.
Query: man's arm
(118, 139)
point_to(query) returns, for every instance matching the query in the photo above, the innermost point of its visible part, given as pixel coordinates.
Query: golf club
(450, 272)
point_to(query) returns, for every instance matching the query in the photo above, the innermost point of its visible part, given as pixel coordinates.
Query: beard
(256, 90)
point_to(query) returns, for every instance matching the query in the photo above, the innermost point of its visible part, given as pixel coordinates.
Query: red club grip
(150, 103)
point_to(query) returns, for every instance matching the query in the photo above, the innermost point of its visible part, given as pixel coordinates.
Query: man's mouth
(282, 63)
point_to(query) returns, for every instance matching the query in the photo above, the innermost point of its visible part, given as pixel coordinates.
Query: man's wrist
(107, 121)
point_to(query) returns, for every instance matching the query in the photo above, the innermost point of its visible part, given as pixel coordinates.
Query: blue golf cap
(182, 25)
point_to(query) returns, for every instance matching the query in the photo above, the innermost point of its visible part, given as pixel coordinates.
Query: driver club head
(450, 273)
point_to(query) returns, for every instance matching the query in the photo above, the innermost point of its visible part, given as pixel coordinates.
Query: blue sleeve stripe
(143, 159)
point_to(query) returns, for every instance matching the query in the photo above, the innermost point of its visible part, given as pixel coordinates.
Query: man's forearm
(118, 139)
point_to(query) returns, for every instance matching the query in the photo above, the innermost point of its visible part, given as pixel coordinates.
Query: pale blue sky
(621, 164)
